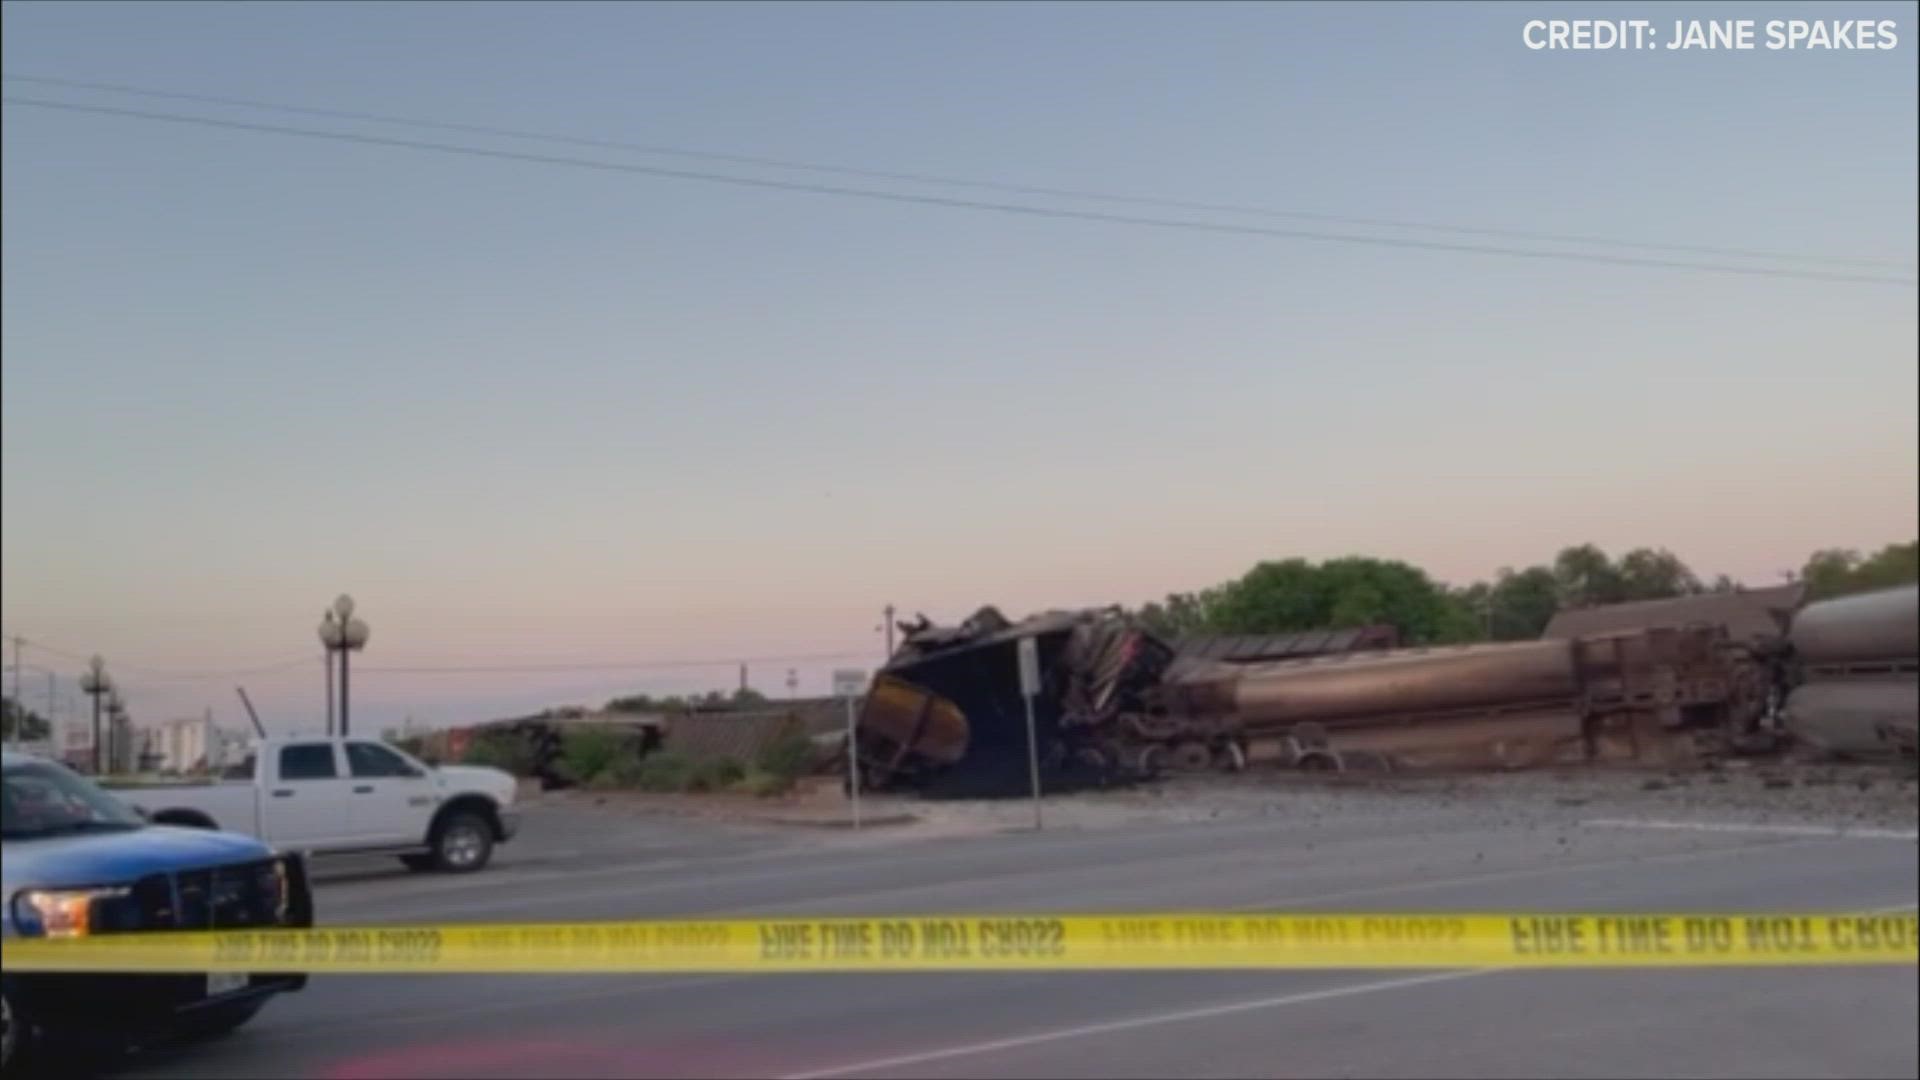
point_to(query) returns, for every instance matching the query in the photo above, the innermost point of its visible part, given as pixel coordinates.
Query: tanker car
(1854, 672)
(1663, 694)
(1118, 703)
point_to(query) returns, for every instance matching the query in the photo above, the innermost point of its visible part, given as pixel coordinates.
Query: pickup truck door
(304, 797)
(393, 800)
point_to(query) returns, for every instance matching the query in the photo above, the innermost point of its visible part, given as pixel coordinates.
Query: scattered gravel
(1852, 796)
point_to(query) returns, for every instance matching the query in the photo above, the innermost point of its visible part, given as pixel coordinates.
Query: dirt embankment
(1741, 794)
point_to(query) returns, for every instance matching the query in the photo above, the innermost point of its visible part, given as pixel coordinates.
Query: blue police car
(78, 861)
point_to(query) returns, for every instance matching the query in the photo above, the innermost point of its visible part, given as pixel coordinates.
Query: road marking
(1133, 1023)
(1515, 874)
(1017, 1042)
(812, 866)
(691, 882)
(869, 857)
(1840, 832)
(814, 903)
(321, 1027)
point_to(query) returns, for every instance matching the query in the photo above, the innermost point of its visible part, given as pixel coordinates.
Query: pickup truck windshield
(46, 800)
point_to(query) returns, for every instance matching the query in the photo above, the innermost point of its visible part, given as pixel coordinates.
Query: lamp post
(326, 662)
(116, 721)
(341, 633)
(95, 683)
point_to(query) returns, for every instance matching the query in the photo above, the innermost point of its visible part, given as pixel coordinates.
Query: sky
(528, 413)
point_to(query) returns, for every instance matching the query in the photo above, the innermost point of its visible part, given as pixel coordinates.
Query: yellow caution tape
(1005, 943)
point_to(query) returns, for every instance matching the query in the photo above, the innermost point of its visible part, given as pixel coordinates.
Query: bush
(624, 771)
(666, 771)
(501, 750)
(585, 753)
(788, 755)
(714, 774)
(763, 785)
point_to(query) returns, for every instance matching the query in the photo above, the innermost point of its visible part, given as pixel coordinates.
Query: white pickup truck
(321, 795)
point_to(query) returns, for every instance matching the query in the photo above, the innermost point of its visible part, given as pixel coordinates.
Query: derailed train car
(946, 713)
(1853, 664)
(1665, 695)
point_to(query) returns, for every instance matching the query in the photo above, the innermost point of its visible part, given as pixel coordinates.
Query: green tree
(647, 703)
(22, 724)
(1519, 604)
(1294, 594)
(1838, 571)
(1182, 614)
(1650, 574)
(1587, 577)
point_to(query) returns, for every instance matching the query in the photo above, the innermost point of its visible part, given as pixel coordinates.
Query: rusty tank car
(1855, 674)
(946, 713)
(1872, 628)
(1646, 695)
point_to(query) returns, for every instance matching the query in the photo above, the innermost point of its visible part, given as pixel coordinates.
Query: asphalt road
(581, 864)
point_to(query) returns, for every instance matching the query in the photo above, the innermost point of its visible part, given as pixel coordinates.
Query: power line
(168, 673)
(638, 665)
(949, 181)
(469, 668)
(226, 673)
(968, 204)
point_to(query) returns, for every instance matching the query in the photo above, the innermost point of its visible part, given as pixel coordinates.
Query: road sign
(1029, 653)
(1029, 667)
(849, 682)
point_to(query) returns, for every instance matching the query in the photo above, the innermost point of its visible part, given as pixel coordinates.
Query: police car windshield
(45, 800)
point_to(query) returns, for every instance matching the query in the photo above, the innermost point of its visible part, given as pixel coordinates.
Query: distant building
(76, 744)
(195, 744)
(1746, 615)
(122, 747)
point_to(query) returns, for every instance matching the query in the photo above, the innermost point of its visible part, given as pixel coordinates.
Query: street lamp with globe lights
(96, 683)
(116, 725)
(342, 633)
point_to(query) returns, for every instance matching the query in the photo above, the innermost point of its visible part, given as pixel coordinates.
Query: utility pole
(743, 678)
(793, 683)
(887, 616)
(95, 683)
(20, 708)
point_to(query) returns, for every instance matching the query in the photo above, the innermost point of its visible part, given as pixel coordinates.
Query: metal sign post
(1029, 651)
(847, 683)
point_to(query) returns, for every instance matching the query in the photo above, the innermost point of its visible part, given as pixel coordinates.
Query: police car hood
(120, 858)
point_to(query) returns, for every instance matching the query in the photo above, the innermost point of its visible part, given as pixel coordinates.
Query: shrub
(585, 753)
(788, 755)
(666, 771)
(713, 774)
(762, 784)
(501, 750)
(624, 770)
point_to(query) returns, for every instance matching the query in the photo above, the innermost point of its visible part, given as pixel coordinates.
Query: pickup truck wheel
(463, 844)
(418, 862)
